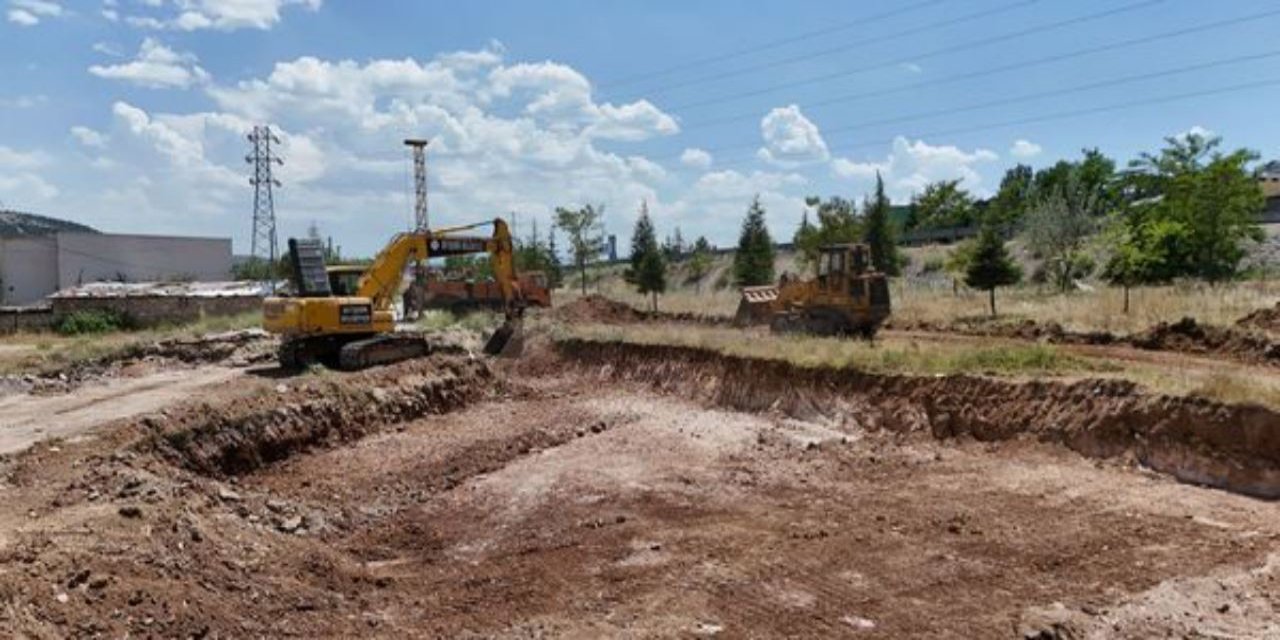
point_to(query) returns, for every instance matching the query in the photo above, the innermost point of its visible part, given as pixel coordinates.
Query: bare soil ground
(604, 492)
(26, 419)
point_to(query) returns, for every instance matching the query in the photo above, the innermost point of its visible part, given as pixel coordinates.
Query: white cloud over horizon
(1024, 149)
(911, 165)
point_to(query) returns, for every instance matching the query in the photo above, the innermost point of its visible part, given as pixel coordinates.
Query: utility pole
(414, 299)
(263, 245)
(419, 146)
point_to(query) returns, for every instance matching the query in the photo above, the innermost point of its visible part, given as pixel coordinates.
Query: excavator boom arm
(382, 280)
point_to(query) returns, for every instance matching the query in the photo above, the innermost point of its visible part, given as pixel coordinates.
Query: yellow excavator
(353, 329)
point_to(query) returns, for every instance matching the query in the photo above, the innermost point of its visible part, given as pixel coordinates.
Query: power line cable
(985, 13)
(1123, 80)
(766, 46)
(1060, 115)
(973, 44)
(1114, 46)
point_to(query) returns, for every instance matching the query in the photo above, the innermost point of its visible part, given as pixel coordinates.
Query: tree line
(1185, 211)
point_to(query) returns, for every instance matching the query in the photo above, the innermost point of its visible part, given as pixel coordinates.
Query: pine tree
(632, 273)
(807, 240)
(649, 270)
(753, 262)
(700, 262)
(878, 234)
(990, 265)
(555, 274)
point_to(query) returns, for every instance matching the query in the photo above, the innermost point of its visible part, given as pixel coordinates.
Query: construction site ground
(604, 492)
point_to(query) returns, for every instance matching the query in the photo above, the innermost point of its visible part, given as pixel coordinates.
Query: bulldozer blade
(506, 340)
(756, 305)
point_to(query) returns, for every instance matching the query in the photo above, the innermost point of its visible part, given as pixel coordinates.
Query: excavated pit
(582, 491)
(1232, 447)
(299, 414)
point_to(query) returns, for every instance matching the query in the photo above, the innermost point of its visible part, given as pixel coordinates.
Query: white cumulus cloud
(791, 138)
(21, 187)
(696, 158)
(1195, 130)
(88, 137)
(222, 15)
(28, 13)
(157, 67)
(1024, 149)
(911, 165)
(505, 136)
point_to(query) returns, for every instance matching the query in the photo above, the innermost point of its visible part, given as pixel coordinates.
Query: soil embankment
(1234, 447)
(300, 414)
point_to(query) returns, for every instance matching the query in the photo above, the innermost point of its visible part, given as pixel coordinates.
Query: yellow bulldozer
(353, 326)
(847, 298)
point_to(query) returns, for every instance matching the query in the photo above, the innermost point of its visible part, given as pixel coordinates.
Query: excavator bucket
(756, 305)
(507, 340)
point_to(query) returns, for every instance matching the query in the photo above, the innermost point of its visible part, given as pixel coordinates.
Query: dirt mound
(1264, 319)
(1189, 336)
(232, 348)
(252, 433)
(1184, 336)
(597, 308)
(1235, 447)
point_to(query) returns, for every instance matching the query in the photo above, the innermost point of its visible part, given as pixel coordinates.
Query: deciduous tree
(586, 241)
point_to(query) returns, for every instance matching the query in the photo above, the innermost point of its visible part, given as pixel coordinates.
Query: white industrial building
(32, 267)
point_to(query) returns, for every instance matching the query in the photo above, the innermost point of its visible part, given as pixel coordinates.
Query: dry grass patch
(1098, 310)
(889, 356)
(48, 351)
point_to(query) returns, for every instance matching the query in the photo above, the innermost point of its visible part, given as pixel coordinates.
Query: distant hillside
(16, 223)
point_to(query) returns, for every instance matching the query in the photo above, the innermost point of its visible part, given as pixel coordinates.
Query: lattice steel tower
(264, 210)
(419, 147)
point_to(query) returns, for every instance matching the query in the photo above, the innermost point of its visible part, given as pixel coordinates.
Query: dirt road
(571, 504)
(26, 419)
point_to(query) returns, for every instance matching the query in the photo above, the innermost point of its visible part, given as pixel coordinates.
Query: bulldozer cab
(839, 266)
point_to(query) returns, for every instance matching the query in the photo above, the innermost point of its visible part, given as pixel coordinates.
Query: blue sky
(129, 115)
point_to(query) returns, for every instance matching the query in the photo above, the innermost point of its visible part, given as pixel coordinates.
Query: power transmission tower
(419, 147)
(264, 210)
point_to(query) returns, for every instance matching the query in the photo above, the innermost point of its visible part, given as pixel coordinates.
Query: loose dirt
(601, 490)
(597, 308)
(1185, 336)
(1262, 319)
(232, 348)
(26, 419)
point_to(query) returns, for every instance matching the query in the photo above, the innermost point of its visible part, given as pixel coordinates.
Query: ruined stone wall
(15, 319)
(150, 311)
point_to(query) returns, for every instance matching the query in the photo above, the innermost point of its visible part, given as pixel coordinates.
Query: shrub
(90, 321)
(932, 264)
